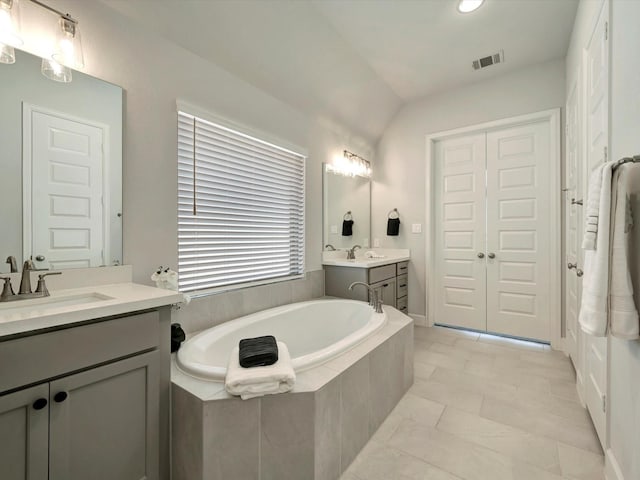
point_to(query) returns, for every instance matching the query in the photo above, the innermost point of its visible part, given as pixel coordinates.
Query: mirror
(341, 195)
(61, 157)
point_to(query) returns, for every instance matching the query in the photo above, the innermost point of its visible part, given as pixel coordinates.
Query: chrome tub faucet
(375, 297)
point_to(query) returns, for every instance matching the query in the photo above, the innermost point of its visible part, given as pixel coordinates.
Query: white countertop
(114, 299)
(388, 256)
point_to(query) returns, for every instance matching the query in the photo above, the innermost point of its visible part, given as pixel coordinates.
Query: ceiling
(358, 61)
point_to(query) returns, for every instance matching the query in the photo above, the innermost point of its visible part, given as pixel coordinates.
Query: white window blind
(240, 207)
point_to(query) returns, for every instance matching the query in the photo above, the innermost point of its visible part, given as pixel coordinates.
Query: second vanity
(388, 273)
(84, 381)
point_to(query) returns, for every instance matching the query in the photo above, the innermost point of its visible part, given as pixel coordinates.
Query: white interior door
(573, 234)
(597, 107)
(460, 165)
(65, 157)
(518, 231)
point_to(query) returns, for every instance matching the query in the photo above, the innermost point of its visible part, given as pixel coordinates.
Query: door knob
(40, 258)
(491, 255)
(576, 202)
(480, 255)
(571, 266)
(579, 272)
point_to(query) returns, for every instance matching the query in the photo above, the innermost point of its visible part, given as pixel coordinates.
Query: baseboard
(419, 320)
(611, 467)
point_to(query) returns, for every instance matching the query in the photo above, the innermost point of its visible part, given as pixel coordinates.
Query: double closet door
(493, 227)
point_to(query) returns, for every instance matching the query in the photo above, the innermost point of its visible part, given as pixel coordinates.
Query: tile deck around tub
(484, 407)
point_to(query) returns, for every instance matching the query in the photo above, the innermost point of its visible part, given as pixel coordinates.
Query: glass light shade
(466, 6)
(68, 50)
(350, 165)
(7, 54)
(10, 23)
(56, 72)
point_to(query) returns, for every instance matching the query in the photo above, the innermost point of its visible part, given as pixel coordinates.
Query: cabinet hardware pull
(60, 397)
(40, 403)
(385, 285)
(403, 285)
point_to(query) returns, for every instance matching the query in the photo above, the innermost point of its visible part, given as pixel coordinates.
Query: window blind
(240, 207)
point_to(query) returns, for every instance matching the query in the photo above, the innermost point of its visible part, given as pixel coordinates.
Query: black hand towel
(393, 227)
(347, 228)
(258, 352)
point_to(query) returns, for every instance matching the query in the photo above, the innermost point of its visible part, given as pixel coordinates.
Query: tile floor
(484, 407)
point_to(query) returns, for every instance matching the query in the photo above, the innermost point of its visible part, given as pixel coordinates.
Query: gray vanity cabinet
(24, 434)
(95, 412)
(390, 279)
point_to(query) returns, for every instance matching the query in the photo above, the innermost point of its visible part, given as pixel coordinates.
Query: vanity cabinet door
(104, 422)
(24, 431)
(388, 289)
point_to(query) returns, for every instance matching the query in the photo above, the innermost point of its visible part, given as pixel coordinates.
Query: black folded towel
(347, 228)
(393, 227)
(258, 352)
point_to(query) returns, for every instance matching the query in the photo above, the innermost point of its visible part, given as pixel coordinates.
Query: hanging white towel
(259, 381)
(592, 209)
(623, 314)
(595, 291)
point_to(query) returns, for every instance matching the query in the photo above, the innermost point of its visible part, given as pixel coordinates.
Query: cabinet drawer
(402, 285)
(401, 303)
(378, 274)
(32, 359)
(403, 268)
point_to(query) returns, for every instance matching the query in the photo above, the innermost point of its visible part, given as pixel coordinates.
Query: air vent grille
(485, 62)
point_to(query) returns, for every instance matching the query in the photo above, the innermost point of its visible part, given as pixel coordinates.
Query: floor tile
(580, 464)
(448, 394)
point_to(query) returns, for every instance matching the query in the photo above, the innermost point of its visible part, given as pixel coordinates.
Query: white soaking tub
(314, 331)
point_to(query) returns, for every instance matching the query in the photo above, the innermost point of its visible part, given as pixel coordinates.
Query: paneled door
(493, 241)
(518, 231)
(65, 205)
(597, 140)
(460, 238)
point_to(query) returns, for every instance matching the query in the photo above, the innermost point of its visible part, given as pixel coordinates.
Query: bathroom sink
(49, 303)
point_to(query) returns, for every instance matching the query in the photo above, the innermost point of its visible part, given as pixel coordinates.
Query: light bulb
(10, 23)
(56, 72)
(466, 6)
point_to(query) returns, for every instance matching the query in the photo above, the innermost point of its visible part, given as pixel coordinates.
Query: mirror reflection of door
(64, 202)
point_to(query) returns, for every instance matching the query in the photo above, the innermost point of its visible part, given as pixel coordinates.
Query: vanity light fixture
(68, 47)
(56, 72)
(10, 24)
(351, 165)
(466, 6)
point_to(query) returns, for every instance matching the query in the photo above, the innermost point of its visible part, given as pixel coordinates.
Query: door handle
(40, 258)
(576, 202)
(579, 272)
(491, 255)
(571, 266)
(480, 255)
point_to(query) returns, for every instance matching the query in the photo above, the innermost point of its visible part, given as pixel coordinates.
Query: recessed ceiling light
(466, 6)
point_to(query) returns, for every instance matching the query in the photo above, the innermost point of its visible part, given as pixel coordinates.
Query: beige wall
(399, 169)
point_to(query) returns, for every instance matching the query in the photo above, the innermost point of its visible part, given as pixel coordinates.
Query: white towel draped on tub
(258, 381)
(595, 289)
(623, 313)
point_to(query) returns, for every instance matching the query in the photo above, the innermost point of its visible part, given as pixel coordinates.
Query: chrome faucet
(330, 247)
(25, 292)
(375, 297)
(13, 265)
(351, 253)
(25, 281)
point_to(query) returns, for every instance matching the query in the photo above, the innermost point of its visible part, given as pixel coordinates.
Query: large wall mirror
(61, 157)
(346, 210)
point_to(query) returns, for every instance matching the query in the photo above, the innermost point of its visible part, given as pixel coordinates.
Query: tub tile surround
(312, 433)
(212, 310)
(479, 422)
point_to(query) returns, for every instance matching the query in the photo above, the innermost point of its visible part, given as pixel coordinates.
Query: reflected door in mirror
(66, 202)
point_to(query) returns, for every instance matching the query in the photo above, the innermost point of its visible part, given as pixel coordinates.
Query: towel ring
(347, 216)
(393, 212)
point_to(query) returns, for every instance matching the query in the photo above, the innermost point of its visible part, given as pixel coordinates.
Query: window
(240, 208)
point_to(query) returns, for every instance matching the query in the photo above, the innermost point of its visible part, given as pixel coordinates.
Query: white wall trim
(612, 469)
(419, 320)
(553, 117)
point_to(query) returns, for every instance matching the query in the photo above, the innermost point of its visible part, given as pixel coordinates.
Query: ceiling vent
(485, 62)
